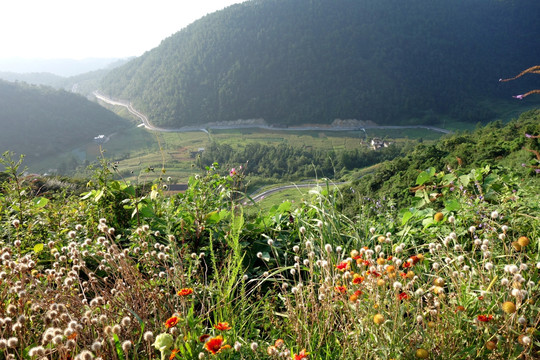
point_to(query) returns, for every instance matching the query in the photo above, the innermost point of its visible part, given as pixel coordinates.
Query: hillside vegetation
(124, 271)
(303, 61)
(491, 146)
(39, 121)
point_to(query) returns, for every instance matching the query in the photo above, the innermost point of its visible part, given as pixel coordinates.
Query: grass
(119, 275)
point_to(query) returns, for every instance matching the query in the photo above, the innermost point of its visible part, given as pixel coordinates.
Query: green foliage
(298, 62)
(493, 145)
(127, 272)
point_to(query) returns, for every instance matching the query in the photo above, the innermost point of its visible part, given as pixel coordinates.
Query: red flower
(222, 326)
(173, 354)
(403, 296)
(357, 279)
(344, 265)
(172, 321)
(407, 264)
(485, 318)
(185, 292)
(403, 275)
(341, 289)
(215, 345)
(301, 355)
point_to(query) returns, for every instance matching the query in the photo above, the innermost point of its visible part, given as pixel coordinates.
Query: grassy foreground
(122, 272)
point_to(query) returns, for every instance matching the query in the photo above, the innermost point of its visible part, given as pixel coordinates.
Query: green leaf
(40, 202)
(464, 179)
(452, 205)
(118, 347)
(406, 217)
(422, 178)
(38, 248)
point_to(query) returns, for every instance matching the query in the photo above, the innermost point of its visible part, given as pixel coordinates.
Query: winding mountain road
(147, 125)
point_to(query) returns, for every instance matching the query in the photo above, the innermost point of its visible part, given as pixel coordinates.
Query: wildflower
(523, 241)
(301, 355)
(438, 217)
(508, 307)
(524, 340)
(403, 296)
(237, 346)
(185, 292)
(357, 279)
(491, 345)
(215, 345)
(279, 343)
(172, 321)
(173, 353)
(232, 172)
(422, 353)
(126, 346)
(484, 318)
(341, 289)
(378, 319)
(344, 265)
(222, 326)
(254, 346)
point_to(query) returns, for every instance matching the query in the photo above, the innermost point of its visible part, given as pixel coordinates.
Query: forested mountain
(311, 61)
(39, 121)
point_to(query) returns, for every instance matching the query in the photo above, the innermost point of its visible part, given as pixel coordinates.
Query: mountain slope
(311, 61)
(39, 121)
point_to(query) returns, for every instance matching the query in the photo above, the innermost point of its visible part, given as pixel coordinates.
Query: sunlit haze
(94, 29)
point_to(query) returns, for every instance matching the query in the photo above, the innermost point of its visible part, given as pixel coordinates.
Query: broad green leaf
(422, 178)
(40, 202)
(452, 205)
(406, 217)
(464, 179)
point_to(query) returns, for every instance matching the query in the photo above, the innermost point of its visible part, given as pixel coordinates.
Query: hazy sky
(94, 28)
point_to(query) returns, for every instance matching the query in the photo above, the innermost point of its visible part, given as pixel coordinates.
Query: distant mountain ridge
(38, 121)
(312, 61)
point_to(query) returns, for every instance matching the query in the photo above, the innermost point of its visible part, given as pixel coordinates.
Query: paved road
(146, 123)
(260, 196)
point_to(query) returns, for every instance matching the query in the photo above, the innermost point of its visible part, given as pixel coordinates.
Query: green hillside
(306, 61)
(491, 147)
(40, 121)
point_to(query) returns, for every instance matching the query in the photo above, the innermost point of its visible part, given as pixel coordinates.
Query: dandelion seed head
(328, 248)
(254, 346)
(296, 248)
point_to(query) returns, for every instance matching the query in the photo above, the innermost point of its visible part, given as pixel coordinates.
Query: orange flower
(485, 318)
(173, 354)
(185, 292)
(215, 345)
(222, 326)
(172, 321)
(301, 355)
(357, 279)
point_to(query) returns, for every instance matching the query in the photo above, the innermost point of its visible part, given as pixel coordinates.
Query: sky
(77, 29)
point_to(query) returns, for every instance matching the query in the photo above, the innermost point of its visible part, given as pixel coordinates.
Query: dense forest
(286, 162)
(39, 121)
(306, 61)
